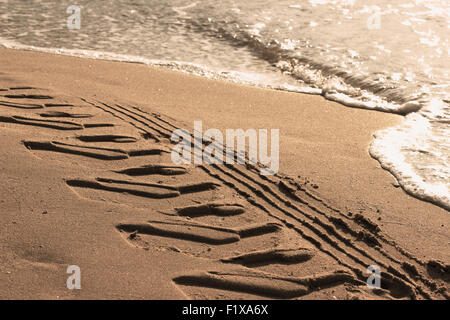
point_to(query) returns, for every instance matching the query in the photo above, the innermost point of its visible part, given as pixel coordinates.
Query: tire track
(354, 243)
(330, 229)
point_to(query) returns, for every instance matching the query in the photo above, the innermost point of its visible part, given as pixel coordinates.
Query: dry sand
(74, 193)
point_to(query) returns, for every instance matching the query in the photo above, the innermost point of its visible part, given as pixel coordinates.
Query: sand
(87, 180)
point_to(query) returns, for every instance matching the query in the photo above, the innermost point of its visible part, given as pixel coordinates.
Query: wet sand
(88, 181)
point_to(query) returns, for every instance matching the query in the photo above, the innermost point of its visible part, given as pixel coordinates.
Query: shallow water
(384, 55)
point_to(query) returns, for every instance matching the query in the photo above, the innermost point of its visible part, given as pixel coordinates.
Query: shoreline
(321, 141)
(409, 180)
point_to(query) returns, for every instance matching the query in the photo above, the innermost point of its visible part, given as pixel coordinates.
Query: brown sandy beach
(74, 193)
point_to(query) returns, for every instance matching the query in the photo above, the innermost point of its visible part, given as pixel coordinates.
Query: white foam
(428, 176)
(90, 54)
